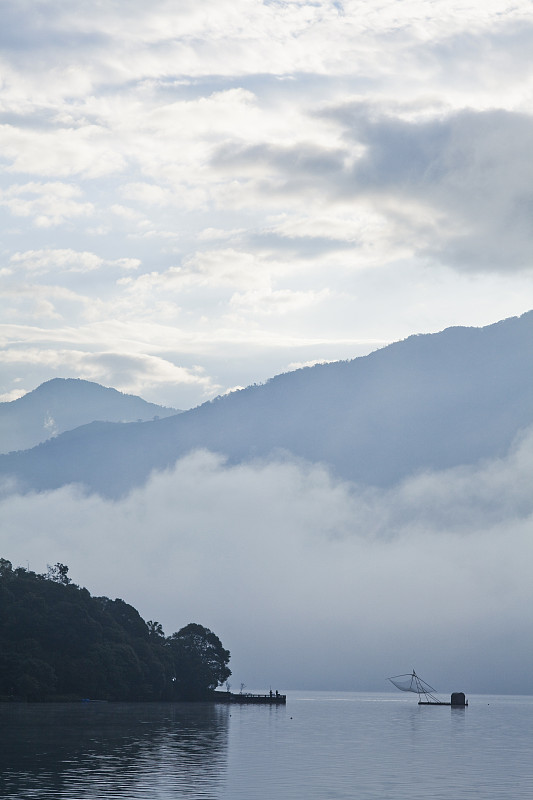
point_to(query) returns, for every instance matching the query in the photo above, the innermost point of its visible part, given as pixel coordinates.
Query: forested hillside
(59, 642)
(430, 402)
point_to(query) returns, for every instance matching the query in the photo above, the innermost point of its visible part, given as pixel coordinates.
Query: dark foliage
(59, 642)
(200, 661)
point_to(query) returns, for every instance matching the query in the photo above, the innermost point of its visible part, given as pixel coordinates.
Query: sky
(197, 196)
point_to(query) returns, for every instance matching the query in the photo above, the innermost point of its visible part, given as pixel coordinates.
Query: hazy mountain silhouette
(429, 402)
(65, 403)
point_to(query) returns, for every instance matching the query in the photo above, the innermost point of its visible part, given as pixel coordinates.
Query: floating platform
(457, 700)
(455, 705)
(270, 699)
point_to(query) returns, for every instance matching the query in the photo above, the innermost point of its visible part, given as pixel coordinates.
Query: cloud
(137, 373)
(309, 581)
(453, 187)
(458, 186)
(43, 303)
(301, 159)
(281, 301)
(487, 61)
(80, 149)
(49, 204)
(14, 394)
(150, 194)
(245, 160)
(244, 37)
(301, 364)
(224, 267)
(133, 373)
(219, 234)
(43, 261)
(337, 228)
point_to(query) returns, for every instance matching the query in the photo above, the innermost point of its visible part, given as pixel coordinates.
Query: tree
(6, 568)
(58, 573)
(59, 642)
(155, 630)
(199, 660)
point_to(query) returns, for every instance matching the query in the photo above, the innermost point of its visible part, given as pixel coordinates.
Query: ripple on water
(319, 746)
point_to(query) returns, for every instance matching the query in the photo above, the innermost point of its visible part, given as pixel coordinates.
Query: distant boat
(412, 683)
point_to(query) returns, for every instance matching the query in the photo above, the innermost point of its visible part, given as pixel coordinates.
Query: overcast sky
(198, 195)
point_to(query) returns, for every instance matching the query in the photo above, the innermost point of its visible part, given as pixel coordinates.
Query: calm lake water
(319, 746)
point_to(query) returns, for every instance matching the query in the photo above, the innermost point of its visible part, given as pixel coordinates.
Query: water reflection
(321, 746)
(112, 750)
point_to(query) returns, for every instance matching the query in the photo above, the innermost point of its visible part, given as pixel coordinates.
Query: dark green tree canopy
(58, 573)
(200, 660)
(59, 642)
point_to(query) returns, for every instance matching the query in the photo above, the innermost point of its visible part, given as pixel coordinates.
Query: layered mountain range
(430, 402)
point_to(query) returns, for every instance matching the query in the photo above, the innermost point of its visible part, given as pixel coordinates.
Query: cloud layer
(229, 190)
(311, 582)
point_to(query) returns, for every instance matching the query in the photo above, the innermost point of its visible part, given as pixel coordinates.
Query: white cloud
(129, 264)
(62, 152)
(133, 373)
(48, 203)
(226, 267)
(44, 304)
(129, 214)
(281, 301)
(341, 227)
(292, 178)
(219, 234)
(301, 364)
(14, 394)
(42, 261)
(136, 373)
(149, 193)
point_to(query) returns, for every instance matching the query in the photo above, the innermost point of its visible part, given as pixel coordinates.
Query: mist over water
(310, 581)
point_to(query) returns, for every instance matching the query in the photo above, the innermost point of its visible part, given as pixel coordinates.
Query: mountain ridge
(431, 401)
(61, 404)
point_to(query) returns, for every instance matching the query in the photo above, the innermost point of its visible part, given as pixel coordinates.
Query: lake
(320, 746)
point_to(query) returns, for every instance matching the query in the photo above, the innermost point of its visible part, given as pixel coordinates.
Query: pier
(270, 699)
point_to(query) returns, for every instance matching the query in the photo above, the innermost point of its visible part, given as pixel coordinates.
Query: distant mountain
(65, 403)
(429, 402)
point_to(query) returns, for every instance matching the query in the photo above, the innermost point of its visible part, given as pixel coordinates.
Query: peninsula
(58, 642)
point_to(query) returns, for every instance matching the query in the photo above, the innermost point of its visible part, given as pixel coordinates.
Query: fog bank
(311, 582)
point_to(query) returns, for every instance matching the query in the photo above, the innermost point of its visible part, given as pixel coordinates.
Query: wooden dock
(244, 698)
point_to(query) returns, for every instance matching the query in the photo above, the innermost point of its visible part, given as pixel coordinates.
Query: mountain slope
(429, 402)
(65, 403)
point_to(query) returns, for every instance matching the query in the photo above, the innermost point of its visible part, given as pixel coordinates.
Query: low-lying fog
(310, 582)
